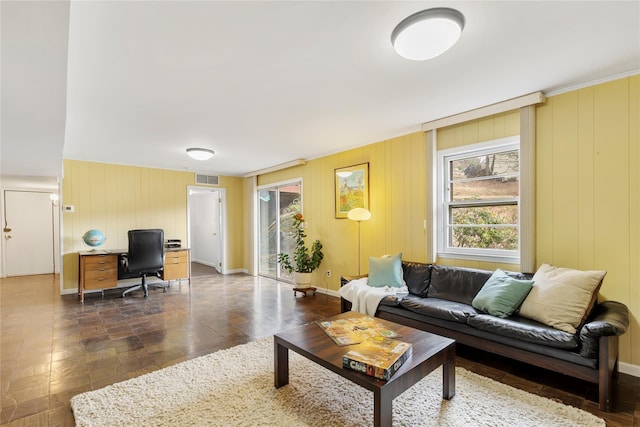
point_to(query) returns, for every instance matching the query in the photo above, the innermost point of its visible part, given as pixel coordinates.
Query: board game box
(355, 330)
(378, 357)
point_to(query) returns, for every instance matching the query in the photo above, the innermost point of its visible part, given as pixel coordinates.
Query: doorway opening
(206, 230)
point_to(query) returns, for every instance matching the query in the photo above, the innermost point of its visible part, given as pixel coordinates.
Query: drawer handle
(101, 279)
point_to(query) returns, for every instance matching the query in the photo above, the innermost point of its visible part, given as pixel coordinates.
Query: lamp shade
(359, 214)
(428, 33)
(200, 153)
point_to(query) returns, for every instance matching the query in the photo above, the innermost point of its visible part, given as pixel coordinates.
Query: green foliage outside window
(483, 236)
(492, 181)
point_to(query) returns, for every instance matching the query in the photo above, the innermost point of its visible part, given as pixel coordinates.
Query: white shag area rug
(234, 387)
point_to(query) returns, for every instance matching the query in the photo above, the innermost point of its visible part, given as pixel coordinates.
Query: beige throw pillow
(562, 297)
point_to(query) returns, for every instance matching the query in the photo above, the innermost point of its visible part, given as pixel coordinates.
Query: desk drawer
(99, 271)
(100, 279)
(94, 261)
(176, 265)
(175, 271)
(176, 257)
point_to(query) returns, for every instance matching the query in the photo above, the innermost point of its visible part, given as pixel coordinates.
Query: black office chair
(145, 256)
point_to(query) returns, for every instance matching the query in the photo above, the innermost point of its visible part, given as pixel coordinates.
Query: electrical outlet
(328, 273)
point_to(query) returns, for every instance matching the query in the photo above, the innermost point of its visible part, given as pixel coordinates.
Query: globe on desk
(93, 238)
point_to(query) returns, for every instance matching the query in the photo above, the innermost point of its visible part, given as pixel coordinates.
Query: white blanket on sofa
(365, 298)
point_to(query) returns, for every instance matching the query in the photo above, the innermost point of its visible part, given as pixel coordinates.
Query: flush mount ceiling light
(428, 33)
(200, 153)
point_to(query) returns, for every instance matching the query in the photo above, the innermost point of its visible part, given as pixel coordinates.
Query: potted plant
(302, 261)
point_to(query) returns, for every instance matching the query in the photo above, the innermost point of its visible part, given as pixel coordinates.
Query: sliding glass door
(276, 205)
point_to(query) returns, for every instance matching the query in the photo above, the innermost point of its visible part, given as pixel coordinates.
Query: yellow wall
(588, 196)
(236, 222)
(397, 200)
(480, 130)
(588, 190)
(115, 199)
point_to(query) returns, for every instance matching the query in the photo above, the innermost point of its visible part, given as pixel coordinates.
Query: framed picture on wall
(351, 188)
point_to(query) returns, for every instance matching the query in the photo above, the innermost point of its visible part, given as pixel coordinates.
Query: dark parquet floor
(53, 347)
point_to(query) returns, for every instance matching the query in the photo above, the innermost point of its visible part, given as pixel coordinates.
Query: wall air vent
(207, 179)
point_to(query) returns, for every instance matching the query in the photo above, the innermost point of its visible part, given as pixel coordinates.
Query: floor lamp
(359, 214)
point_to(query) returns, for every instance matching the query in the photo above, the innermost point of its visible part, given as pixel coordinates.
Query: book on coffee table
(378, 357)
(355, 330)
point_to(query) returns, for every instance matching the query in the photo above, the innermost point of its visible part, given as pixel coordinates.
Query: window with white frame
(479, 201)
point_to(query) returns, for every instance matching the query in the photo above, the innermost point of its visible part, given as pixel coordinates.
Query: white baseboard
(327, 292)
(69, 291)
(199, 261)
(237, 270)
(629, 369)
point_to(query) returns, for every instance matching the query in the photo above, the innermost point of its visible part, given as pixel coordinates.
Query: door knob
(7, 236)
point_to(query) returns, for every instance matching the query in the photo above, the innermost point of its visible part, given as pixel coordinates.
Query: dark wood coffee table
(429, 352)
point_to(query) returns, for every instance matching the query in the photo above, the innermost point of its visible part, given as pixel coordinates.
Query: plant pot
(303, 280)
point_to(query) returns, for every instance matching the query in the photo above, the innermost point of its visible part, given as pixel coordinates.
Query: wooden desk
(98, 270)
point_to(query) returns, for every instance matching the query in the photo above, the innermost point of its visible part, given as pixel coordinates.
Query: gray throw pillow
(501, 295)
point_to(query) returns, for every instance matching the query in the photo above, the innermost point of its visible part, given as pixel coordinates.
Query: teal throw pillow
(501, 295)
(386, 271)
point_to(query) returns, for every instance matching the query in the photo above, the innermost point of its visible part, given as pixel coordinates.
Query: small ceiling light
(428, 33)
(200, 153)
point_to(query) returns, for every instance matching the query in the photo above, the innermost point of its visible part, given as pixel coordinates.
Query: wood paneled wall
(588, 190)
(588, 196)
(115, 199)
(397, 196)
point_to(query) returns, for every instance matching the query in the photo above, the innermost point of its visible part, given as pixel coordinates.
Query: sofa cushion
(439, 308)
(456, 283)
(462, 333)
(386, 271)
(562, 297)
(417, 277)
(524, 329)
(501, 295)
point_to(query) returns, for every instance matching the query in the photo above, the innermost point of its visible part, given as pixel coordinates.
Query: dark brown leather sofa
(591, 354)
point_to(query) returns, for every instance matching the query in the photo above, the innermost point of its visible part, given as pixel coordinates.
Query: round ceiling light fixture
(200, 153)
(428, 33)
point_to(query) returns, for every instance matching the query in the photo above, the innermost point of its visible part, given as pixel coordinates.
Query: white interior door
(28, 233)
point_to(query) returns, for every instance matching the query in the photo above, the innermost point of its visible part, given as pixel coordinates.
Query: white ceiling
(264, 83)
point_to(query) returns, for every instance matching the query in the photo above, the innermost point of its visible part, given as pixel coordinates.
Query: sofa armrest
(609, 318)
(346, 279)
(344, 304)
